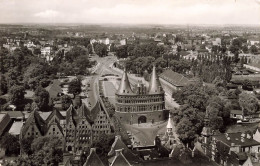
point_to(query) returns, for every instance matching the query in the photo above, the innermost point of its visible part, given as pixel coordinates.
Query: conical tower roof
(170, 123)
(124, 87)
(155, 85)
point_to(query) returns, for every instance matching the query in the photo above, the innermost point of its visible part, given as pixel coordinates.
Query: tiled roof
(236, 138)
(71, 113)
(55, 112)
(120, 159)
(83, 111)
(119, 144)
(94, 111)
(16, 128)
(175, 78)
(238, 112)
(15, 114)
(93, 159)
(35, 118)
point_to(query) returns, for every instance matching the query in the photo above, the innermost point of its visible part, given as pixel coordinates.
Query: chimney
(119, 151)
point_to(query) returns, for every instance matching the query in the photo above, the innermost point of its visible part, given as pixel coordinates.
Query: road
(102, 65)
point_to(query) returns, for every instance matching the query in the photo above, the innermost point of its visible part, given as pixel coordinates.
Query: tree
(103, 146)
(89, 47)
(248, 102)
(100, 49)
(36, 51)
(82, 63)
(74, 87)
(17, 95)
(245, 49)
(41, 98)
(11, 144)
(186, 130)
(65, 102)
(44, 151)
(253, 49)
(3, 85)
(26, 145)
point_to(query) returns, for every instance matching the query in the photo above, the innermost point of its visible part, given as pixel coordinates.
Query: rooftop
(2, 115)
(175, 78)
(241, 139)
(16, 128)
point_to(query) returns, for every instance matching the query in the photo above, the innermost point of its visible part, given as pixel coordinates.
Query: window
(53, 128)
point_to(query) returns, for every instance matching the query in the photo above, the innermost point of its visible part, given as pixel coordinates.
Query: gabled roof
(124, 87)
(119, 144)
(238, 112)
(95, 111)
(120, 159)
(56, 113)
(35, 118)
(71, 114)
(83, 111)
(175, 78)
(54, 88)
(155, 85)
(93, 159)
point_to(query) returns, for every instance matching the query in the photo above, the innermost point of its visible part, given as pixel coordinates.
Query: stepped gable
(120, 159)
(58, 125)
(154, 85)
(71, 115)
(125, 87)
(35, 118)
(93, 159)
(119, 144)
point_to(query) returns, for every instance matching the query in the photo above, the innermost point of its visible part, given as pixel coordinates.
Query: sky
(131, 11)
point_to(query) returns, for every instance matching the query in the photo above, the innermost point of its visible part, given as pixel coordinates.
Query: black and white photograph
(129, 82)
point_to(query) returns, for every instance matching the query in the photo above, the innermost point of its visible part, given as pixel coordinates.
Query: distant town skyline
(131, 11)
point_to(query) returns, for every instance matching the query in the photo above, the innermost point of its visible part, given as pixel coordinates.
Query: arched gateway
(141, 119)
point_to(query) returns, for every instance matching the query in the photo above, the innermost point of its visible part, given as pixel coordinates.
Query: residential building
(79, 127)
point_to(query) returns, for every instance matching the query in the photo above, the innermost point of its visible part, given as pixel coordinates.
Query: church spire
(124, 87)
(170, 125)
(155, 85)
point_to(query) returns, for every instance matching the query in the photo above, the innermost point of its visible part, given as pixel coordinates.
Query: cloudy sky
(131, 11)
